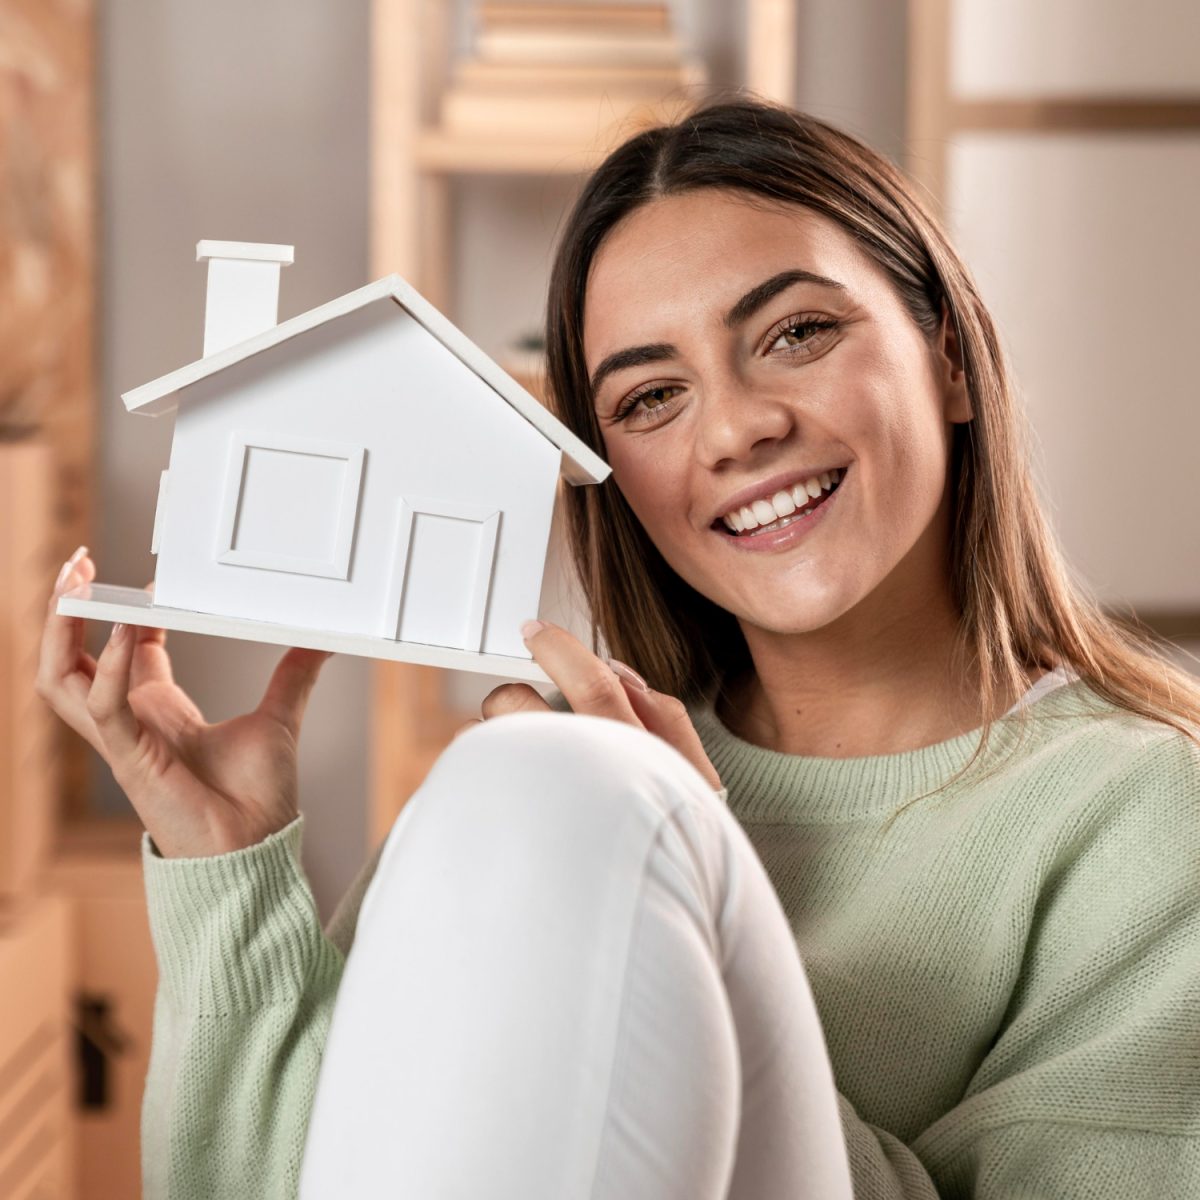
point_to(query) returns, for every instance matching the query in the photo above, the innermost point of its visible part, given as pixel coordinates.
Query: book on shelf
(639, 16)
(569, 46)
(563, 114)
(474, 74)
(564, 72)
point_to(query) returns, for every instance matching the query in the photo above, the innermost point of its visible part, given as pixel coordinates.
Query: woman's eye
(652, 399)
(799, 333)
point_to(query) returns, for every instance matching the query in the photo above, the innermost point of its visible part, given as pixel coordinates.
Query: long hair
(1020, 607)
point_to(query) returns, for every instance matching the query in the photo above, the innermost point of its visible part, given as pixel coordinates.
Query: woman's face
(749, 382)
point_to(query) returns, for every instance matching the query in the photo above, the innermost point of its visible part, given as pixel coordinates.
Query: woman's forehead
(704, 249)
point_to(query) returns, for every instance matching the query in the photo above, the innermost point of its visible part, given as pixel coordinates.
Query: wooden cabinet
(1054, 146)
(97, 871)
(37, 1150)
(28, 768)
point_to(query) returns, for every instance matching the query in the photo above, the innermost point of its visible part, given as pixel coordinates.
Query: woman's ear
(950, 366)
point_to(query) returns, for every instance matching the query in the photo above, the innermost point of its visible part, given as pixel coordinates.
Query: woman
(575, 967)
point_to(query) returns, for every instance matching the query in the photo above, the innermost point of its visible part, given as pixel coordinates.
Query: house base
(135, 606)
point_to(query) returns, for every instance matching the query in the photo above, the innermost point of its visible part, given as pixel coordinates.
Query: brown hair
(1020, 607)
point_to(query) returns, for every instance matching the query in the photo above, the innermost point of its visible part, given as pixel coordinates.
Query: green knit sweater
(1008, 978)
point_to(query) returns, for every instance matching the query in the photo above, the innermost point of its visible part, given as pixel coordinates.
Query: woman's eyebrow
(758, 295)
(631, 356)
(746, 307)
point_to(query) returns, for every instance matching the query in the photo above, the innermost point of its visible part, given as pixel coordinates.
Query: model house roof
(580, 464)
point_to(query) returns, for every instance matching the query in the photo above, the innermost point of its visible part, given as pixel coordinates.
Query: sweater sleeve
(1091, 1085)
(247, 981)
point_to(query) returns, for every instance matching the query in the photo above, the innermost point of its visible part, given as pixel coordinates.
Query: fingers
(65, 671)
(668, 718)
(588, 684)
(150, 633)
(291, 685)
(108, 700)
(61, 584)
(151, 662)
(511, 698)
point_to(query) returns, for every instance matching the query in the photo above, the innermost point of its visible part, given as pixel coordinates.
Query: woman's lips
(785, 535)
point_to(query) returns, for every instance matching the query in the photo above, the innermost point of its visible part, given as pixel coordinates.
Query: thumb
(291, 684)
(668, 718)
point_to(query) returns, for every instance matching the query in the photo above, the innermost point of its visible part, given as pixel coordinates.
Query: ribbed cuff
(235, 932)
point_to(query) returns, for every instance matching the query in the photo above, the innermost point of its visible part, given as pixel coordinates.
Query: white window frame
(241, 442)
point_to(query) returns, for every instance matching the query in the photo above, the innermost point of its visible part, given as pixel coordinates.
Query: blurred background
(445, 140)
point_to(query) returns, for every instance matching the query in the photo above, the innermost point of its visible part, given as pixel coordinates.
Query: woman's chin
(786, 614)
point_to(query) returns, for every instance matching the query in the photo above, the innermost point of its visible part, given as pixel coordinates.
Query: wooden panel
(37, 1149)
(925, 145)
(1100, 113)
(1022, 47)
(1083, 249)
(99, 867)
(395, 102)
(47, 264)
(28, 727)
(771, 32)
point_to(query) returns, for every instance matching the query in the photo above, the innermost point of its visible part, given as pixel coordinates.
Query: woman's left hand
(590, 685)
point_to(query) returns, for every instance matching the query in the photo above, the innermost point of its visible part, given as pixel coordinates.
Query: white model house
(361, 478)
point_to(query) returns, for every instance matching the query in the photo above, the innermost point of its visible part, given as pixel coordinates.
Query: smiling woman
(703, 938)
(742, 301)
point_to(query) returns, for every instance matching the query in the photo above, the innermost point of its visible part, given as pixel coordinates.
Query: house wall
(431, 431)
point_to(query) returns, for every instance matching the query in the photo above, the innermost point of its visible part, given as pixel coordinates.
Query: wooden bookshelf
(416, 163)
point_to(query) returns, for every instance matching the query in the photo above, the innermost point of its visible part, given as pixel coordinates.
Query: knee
(525, 759)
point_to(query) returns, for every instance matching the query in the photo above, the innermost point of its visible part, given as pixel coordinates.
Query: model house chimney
(243, 290)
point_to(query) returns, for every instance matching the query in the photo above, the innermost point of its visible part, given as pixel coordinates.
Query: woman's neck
(888, 713)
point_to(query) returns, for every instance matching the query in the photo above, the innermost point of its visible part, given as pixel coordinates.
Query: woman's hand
(590, 685)
(199, 789)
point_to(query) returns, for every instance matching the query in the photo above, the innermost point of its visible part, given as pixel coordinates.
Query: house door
(441, 572)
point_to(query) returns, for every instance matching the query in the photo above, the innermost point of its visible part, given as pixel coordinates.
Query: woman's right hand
(199, 789)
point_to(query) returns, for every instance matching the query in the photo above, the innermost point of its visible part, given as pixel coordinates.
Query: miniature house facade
(361, 469)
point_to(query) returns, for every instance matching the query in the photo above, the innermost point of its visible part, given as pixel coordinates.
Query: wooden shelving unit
(415, 165)
(938, 115)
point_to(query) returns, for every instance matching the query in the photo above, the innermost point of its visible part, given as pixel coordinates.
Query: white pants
(572, 978)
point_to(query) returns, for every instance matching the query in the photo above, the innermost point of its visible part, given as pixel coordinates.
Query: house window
(290, 504)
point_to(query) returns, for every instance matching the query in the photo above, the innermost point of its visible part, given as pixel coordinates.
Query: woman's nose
(735, 419)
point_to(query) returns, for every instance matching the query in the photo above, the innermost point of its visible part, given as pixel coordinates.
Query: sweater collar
(767, 785)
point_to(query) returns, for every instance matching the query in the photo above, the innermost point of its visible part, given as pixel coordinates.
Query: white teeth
(781, 504)
(764, 511)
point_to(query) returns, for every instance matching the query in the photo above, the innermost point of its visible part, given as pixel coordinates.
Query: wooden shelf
(414, 161)
(514, 154)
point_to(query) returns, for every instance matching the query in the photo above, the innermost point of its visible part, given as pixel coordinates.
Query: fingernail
(68, 566)
(629, 675)
(531, 627)
(118, 632)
